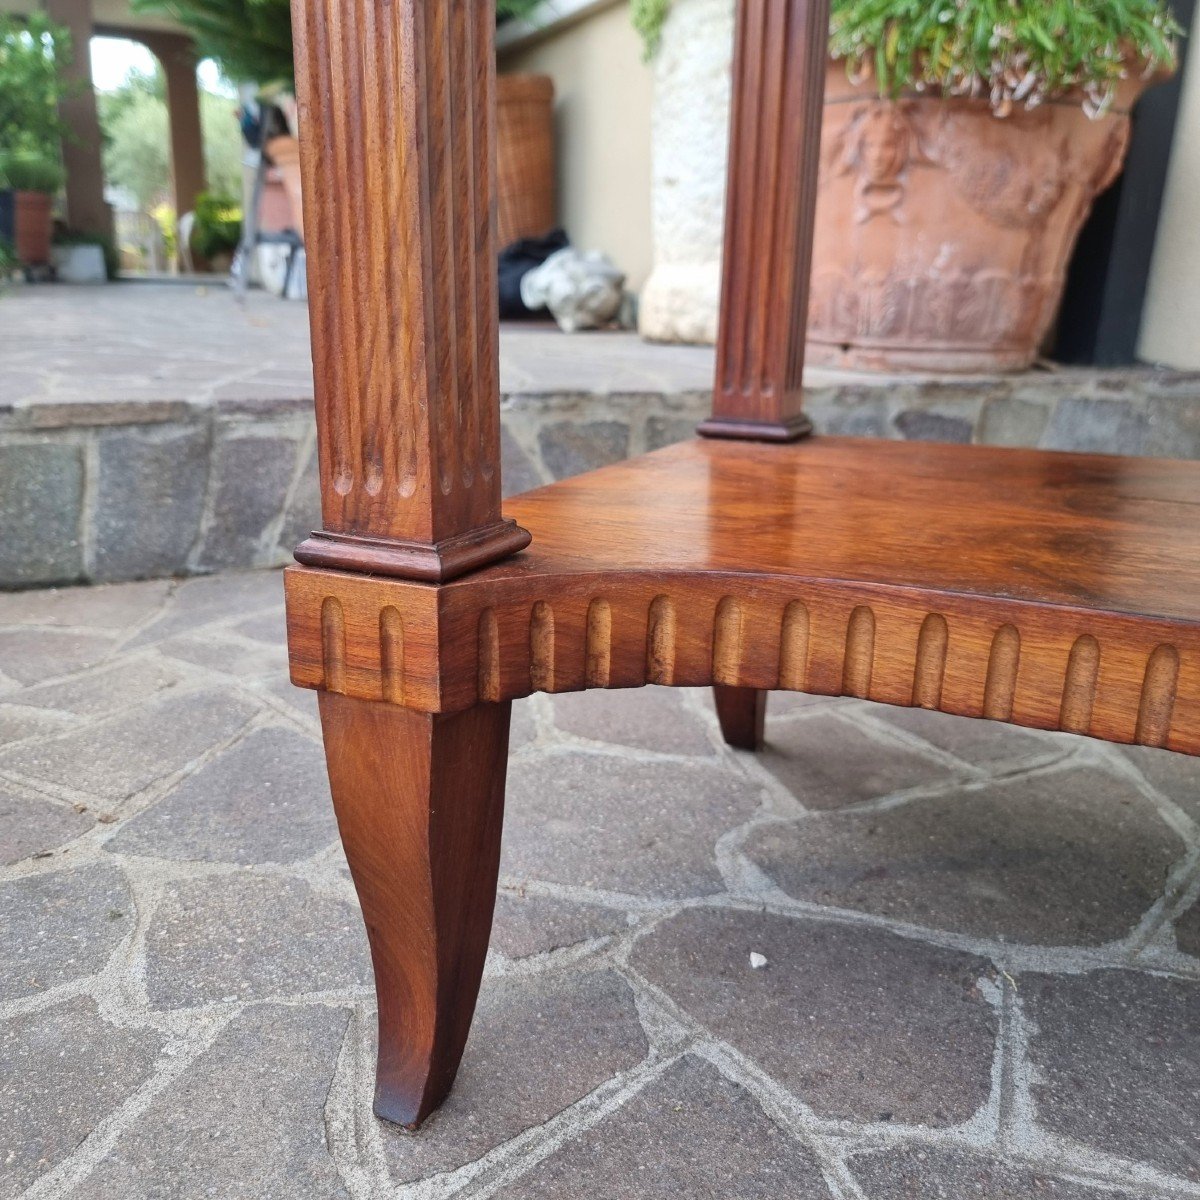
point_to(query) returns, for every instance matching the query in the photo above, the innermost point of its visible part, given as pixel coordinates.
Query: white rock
(581, 290)
(757, 961)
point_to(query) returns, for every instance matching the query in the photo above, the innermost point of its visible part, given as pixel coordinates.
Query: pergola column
(86, 210)
(177, 54)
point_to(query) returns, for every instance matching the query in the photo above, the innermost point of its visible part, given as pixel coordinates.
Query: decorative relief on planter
(943, 232)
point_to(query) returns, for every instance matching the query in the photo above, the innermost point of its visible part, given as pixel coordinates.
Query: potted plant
(962, 148)
(252, 42)
(33, 177)
(217, 229)
(33, 54)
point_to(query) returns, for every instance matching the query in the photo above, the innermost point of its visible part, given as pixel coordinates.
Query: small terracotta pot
(32, 227)
(943, 233)
(284, 152)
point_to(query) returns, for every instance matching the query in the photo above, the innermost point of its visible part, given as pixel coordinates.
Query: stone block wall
(118, 490)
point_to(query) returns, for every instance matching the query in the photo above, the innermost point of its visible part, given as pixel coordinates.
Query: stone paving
(981, 944)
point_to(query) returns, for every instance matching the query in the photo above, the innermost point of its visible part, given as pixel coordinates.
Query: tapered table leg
(742, 712)
(419, 801)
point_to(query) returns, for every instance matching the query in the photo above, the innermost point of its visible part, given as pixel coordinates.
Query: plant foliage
(33, 54)
(218, 225)
(28, 170)
(1011, 51)
(251, 40)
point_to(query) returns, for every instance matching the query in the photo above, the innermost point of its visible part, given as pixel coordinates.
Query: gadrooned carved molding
(1108, 675)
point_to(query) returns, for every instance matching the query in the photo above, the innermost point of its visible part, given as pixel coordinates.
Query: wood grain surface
(1059, 591)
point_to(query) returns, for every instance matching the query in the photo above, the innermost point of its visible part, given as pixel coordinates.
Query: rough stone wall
(118, 491)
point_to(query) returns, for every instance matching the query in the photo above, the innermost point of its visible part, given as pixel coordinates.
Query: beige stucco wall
(602, 116)
(1171, 318)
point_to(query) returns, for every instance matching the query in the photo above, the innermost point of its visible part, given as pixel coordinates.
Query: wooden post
(771, 199)
(396, 133)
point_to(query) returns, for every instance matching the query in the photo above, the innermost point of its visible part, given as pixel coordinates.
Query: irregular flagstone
(522, 728)
(60, 926)
(107, 606)
(690, 1133)
(65, 1070)
(228, 656)
(198, 602)
(1177, 776)
(983, 743)
(33, 655)
(526, 925)
(125, 754)
(251, 937)
(245, 1120)
(825, 762)
(265, 800)
(18, 722)
(605, 822)
(647, 718)
(267, 627)
(1116, 1058)
(34, 825)
(1071, 858)
(109, 689)
(856, 1022)
(538, 1045)
(1187, 931)
(926, 1173)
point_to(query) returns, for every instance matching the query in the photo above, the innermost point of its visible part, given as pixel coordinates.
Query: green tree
(33, 54)
(137, 147)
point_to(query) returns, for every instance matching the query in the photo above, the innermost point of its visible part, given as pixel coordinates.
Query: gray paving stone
(60, 926)
(1187, 931)
(251, 937)
(522, 728)
(538, 1045)
(605, 822)
(65, 1070)
(302, 701)
(666, 431)
(1173, 429)
(1098, 426)
(827, 763)
(982, 743)
(269, 627)
(250, 476)
(149, 500)
(526, 925)
(690, 1133)
(1177, 776)
(119, 686)
(33, 655)
(1072, 858)
(570, 447)
(650, 718)
(32, 825)
(225, 655)
(18, 722)
(1117, 1061)
(847, 412)
(266, 800)
(199, 602)
(108, 606)
(1010, 421)
(860, 1024)
(517, 472)
(245, 1120)
(303, 513)
(926, 1173)
(920, 425)
(41, 496)
(121, 756)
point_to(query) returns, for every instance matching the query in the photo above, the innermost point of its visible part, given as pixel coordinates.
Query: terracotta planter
(32, 227)
(525, 193)
(284, 152)
(943, 232)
